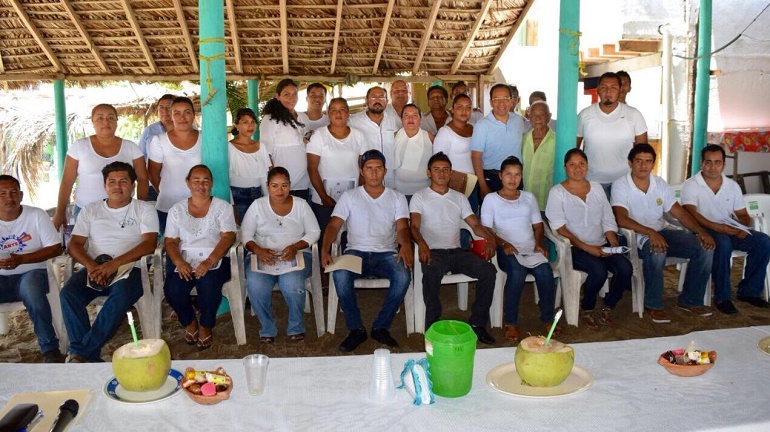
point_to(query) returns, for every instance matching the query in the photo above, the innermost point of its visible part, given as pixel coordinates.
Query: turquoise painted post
(253, 92)
(213, 94)
(60, 112)
(569, 46)
(703, 76)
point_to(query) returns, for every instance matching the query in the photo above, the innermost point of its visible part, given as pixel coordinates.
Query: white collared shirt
(588, 220)
(645, 208)
(380, 137)
(713, 206)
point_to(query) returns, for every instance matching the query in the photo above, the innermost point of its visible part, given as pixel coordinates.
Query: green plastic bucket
(450, 347)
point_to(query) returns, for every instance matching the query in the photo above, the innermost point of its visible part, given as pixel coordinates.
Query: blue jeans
(376, 265)
(607, 187)
(162, 217)
(292, 286)
(31, 288)
(758, 246)
(681, 244)
(243, 197)
(86, 340)
(209, 288)
(514, 285)
(596, 268)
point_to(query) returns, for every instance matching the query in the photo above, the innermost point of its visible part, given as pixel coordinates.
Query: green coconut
(542, 365)
(144, 367)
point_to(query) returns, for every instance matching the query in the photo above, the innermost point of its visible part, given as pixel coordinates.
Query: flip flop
(297, 337)
(191, 338)
(512, 333)
(267, 339)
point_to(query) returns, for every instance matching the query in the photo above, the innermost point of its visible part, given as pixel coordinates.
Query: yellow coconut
(542, 365)
(144, 367)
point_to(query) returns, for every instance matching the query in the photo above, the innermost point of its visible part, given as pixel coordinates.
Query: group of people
(384, 176)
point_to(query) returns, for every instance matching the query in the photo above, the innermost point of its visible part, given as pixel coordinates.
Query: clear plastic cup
(381, 386)
(256, 373)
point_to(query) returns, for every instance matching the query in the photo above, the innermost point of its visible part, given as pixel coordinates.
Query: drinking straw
(550, 333)
(133, 329)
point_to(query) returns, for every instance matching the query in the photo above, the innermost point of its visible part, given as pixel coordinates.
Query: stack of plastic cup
(381, 387)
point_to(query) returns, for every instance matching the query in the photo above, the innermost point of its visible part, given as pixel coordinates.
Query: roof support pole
(60, 112)
(253, 93)
(213, 94)
(702, 78)
(569, 49)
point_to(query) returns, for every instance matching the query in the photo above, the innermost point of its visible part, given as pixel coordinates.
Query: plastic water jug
(450, 347)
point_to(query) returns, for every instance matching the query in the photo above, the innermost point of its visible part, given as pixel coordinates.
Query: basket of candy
(207, 387)
(687, 362)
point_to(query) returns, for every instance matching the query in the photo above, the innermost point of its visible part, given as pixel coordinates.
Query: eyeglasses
(501, 99)
(383, 97)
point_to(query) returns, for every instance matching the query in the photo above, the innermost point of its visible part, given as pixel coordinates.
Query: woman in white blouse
(249, 162)
(578, 210)
(86, 158)
(413, 149)
(514, 217)
(284, 135)
(199, 233)
(455, 141)
(276, 229)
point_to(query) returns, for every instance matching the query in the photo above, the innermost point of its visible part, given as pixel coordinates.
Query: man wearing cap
(119, 230)
(376, 219)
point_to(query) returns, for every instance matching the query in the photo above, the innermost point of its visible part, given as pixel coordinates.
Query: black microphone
(67, 411)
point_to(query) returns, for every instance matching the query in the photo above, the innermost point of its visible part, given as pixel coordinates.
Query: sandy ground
(20, 345)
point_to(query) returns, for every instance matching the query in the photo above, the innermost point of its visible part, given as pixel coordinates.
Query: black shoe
(382, 335)
(726, 307)
(483, 336)
(754, 301)
(354, 339)
(53, 356)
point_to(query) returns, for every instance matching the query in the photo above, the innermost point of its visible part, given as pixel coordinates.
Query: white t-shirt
(115, 231)
(428, 123)
(268, 230)
(645, 208)
(713, 206)
(176, 164)
(411, 161)
(287, 146)
(90, 185)
(28, 233)
(248, 169)
(512, 220)
(380, 137)
(339, 157)
(607, 139)
(312, 125)
(457, 148)
(204, 232)
(588, 220)
(440, 216)
(371, 222)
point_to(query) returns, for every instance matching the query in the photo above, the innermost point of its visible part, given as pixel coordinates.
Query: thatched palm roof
(331, 40)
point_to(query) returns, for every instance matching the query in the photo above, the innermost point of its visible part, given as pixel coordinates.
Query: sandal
(589, 320)
(190, 338)
(297, 337)
(267, 339)
(205, 343)
(605, 316)
(512, 333)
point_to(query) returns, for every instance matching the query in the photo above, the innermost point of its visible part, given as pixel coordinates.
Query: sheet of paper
(346, 262)
(531, 259)
(615, 250)
(335, 187)
(49, 402)
(735, 224)
(279, 267)
(123, 272)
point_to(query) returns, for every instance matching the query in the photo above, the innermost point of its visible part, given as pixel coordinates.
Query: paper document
(735, 224)
(335, 187)
(49, 402)
(346, 262)
(123, 272)
(278, 267)
(531, 259)
(616, 250)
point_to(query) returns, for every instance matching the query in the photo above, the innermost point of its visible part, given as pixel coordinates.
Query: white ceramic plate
(764, 345)
(173, 384)
(504, 378)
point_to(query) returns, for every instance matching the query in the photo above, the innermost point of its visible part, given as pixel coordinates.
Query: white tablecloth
(631, 392)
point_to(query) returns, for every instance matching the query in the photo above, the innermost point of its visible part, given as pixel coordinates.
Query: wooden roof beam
(336, 36)
(186, 35)
(426, 36)
(383, 36)
(84, 33)
(2, 66)
(474, 31)
(284, 36)
(37, 35)
(508, 40)
(139, 36)
(234, 36)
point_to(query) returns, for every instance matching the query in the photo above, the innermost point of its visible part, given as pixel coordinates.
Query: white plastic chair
(758, 207)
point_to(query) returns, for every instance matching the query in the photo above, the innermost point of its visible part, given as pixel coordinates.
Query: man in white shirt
(163, 125)
(377, 218)
(625, 85)
(713, 199)
(379, 128)
(399, 95)
(438, 115)
(436, 213)
(27, 240)
(639, 200)
(314, 117)
(608, 130)
(108, 234)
